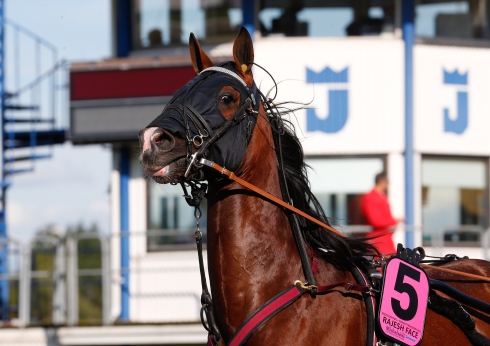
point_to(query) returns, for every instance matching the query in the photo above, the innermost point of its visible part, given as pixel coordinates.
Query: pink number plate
(403, 302)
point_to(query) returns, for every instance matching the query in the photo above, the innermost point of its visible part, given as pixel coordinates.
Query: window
(454, 195)
(167, 23)
(317, 18)
(159, 23)
(339, 183)
(171, 220)
(452, 19)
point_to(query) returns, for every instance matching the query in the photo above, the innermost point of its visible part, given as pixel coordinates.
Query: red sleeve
(377, 212)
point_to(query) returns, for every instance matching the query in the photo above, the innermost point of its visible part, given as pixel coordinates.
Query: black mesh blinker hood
(194, 111)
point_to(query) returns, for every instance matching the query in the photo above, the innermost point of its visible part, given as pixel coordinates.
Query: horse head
(212, 116)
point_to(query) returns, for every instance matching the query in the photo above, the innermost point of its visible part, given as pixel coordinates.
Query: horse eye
(226, 99)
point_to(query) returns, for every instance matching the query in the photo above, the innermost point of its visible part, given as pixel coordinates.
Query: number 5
(404, 287)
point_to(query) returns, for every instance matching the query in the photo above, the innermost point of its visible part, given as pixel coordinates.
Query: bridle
(202, 143)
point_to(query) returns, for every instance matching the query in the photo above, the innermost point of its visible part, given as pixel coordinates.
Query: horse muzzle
(156, 138)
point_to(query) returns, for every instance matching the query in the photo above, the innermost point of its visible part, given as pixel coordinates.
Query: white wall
(432, 95)
(115, 231)
(374, 89)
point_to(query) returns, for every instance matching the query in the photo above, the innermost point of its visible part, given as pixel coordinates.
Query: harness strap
(458, 315)
(302, 250)
(369, 302)
(267, 195)
(264, 313)
(239, 115)
(346, 285)
(459, 296)
(456, 272)
(206, 300)
(293, 218)
(194, 200)
(279, 303)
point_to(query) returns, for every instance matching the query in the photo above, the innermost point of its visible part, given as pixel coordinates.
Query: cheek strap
(239, 115)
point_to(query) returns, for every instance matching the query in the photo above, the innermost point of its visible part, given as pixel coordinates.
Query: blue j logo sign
(337, 101)
(459, 124)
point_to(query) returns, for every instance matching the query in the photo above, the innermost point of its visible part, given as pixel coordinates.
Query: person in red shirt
(376, 210)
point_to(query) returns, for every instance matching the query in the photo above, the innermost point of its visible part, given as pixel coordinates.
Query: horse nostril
(163, 140)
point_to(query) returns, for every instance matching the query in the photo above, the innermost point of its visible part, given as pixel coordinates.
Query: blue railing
(31, 114)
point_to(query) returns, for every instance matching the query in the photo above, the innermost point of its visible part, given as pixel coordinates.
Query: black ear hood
(193, 111)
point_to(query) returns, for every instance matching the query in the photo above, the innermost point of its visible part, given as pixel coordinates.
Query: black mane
(333, 248)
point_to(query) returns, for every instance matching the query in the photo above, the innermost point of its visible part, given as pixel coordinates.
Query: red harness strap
(279, 303)
(269, 309)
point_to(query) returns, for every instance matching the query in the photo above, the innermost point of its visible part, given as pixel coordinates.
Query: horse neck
(251, 250)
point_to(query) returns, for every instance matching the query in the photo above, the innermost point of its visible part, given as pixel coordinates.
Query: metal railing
(76, 279)
(465, 237)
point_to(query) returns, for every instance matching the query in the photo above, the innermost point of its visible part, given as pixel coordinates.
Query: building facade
(346, 63)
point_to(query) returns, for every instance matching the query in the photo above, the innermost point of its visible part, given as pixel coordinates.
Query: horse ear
(200, 61)
(243, 53)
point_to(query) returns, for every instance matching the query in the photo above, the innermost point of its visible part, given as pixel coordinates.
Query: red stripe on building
(110, 84)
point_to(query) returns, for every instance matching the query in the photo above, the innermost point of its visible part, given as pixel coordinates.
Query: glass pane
(464, 173)
(340, 183)
(326, 22)
(453, 198)
(452, 19)
(42, 288)
(294, 18)
(151, 23)
(159, 23)
(434, 20)
(223, 19)
(89, 286)
(171, 219)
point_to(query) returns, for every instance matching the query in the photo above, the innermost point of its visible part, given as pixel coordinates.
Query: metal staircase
(30, 85)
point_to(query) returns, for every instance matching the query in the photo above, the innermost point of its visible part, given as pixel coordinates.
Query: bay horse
(251, 245)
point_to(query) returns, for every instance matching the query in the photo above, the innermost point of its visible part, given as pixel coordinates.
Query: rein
(267, 195)
(456, 272)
